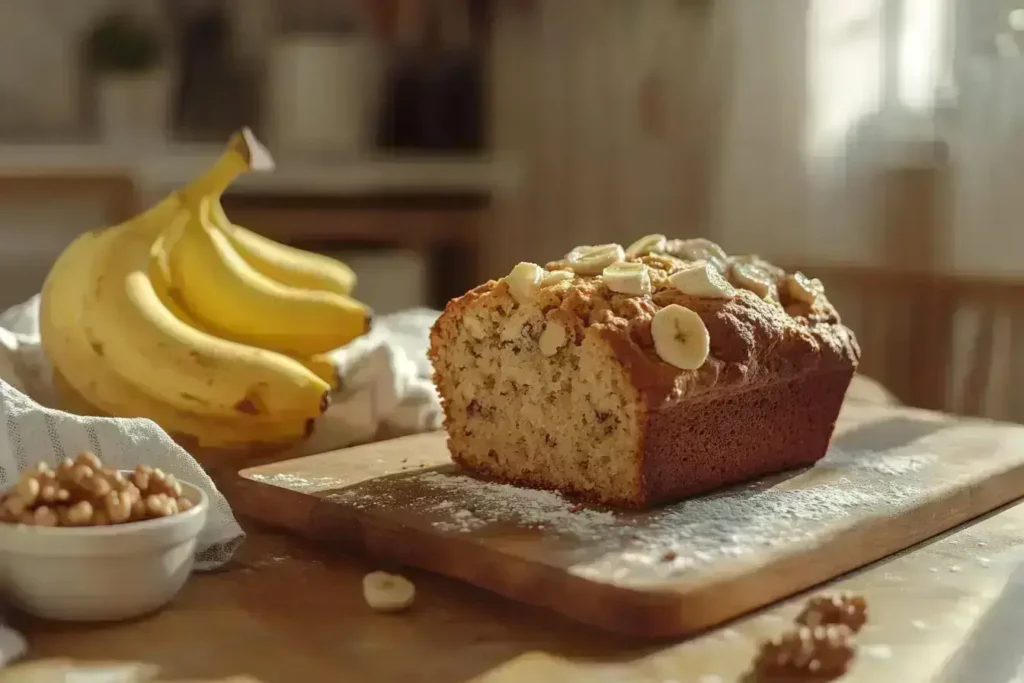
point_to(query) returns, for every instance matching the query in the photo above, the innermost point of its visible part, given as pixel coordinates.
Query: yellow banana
(180, 365)
(79, 372)
(282, 263)
(119, 313)
(324, 368)
(204, 432)
(159, 274)
(239, 303)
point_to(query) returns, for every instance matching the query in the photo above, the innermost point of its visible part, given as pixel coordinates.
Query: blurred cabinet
(398, 241)
(408, 249)
(42, 211)
(390, 279)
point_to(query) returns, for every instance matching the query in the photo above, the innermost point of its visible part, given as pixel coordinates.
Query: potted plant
(125, 58)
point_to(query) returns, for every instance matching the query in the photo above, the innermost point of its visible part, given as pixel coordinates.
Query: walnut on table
(83, 492)
(819, 653)
(844, 609)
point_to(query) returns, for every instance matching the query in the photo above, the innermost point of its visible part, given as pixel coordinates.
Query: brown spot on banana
(194, 399)
(247, 407)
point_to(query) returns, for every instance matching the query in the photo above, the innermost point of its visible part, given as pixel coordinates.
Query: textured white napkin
(30, 432)
(386, 389)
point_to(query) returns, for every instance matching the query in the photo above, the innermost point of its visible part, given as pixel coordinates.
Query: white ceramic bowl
(101, 573)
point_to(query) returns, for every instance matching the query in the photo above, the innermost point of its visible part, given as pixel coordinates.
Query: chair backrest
(939, 341)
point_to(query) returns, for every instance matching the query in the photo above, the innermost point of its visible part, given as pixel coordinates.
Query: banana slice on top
(803, 289)
(680, 337)
(555, 276)
(699, 249)
(591, 260)
(524, 281)
(751, 277)
(628, 277)
(702, 279)
(645, 245)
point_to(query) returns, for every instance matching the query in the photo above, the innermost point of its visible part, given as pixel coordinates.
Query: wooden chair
(937, 341)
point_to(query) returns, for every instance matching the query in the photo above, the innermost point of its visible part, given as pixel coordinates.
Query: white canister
(132, 109)
(321, 93)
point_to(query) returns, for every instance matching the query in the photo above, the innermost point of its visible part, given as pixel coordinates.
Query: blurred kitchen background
(432, 144)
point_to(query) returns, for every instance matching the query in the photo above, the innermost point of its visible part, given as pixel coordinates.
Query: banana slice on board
(680, 337)
(702, 279)
(628, 277)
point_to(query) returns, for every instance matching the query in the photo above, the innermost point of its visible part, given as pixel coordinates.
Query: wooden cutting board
(893, 477)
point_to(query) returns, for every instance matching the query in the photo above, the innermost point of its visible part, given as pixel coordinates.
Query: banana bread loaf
(635, 377)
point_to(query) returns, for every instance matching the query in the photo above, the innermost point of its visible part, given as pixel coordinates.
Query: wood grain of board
(894, 476)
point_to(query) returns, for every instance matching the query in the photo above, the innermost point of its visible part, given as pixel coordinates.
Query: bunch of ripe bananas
(212, 331)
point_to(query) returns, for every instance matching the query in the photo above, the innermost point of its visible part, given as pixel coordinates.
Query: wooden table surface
(948, 611)
(291, 613)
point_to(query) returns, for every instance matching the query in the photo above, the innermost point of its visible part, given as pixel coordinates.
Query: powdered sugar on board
(895, 463)
(647, 545)
(294, 482)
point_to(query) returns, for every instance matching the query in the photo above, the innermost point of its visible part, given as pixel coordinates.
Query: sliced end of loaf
(566, 421)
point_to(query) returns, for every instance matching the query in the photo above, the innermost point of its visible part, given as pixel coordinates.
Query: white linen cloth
(386, 390)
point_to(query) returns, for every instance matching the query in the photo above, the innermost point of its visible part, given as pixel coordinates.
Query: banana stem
(242, 154)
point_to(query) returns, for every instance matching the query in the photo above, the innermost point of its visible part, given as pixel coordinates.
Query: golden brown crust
(753, 341)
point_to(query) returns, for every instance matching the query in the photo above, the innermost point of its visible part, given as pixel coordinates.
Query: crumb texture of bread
(555, 381)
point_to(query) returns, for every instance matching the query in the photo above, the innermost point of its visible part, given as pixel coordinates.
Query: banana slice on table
(680, 337)
(702, 279)
(524, 281)
(385, 592)
(628, 277)
(645, 245)
(591, 260)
